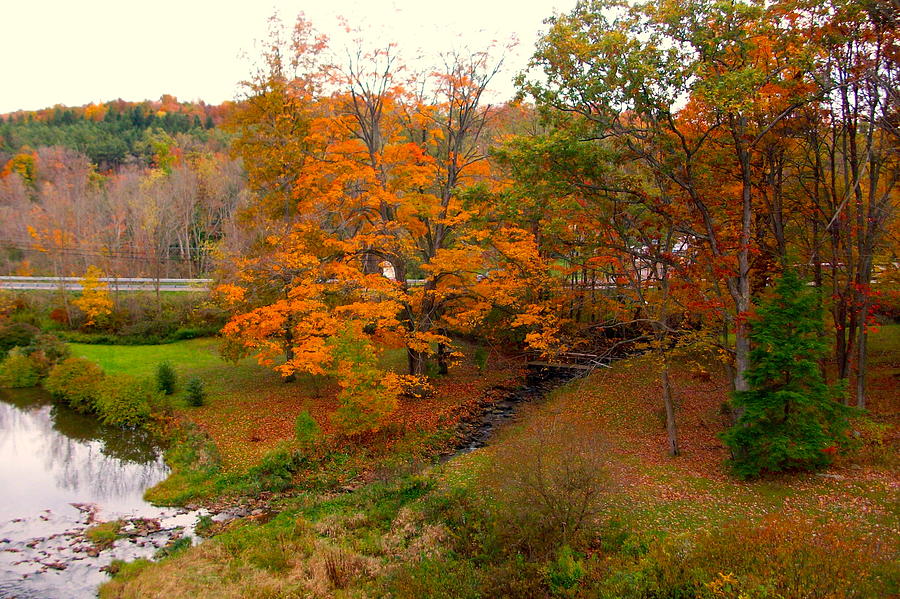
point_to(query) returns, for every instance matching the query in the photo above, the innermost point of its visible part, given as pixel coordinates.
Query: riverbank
(578, 498)
(72, 501)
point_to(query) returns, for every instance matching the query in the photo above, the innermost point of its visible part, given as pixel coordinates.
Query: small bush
(125, 401)
(16, 334)
(480, 358)
(45, 351)
(196, 394)
(76, 382)
(564, 573)
(166, 378)
(122, 570)
(306, 429)
(548, 490)
(276, 470)
(54, 349)
(18, 370)
(59, 316)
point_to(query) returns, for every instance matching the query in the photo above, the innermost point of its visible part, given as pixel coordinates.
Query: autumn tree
(380, 178)
(94, 300)
(691, 90)
(846, 165)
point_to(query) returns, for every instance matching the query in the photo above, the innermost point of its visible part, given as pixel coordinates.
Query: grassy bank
(248, 420)
(579, 499)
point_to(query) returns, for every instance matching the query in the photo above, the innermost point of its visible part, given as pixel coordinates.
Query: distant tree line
(142, 189)
(110, 134)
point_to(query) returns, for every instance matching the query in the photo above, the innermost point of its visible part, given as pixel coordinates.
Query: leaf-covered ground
(665, 527)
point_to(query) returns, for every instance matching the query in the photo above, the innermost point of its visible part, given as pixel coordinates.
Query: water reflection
(51, 456)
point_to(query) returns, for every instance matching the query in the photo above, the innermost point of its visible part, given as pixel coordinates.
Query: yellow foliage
(94, 300)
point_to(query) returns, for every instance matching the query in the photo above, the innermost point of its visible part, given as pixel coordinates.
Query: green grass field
(187, 357)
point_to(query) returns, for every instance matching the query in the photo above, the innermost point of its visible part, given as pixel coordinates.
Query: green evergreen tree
(196, 394)
(166, 378)
(789, 417)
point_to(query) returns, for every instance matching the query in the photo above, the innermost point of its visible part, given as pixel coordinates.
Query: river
(61, 472)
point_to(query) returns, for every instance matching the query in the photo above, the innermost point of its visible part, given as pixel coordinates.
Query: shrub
(59, 316)
(54, 348)
(306, 429)
(548, 490)
(76, 382)
(196, 394)
(122, 570)
(779, 557)
(125, 401)
(481, 358)
(789, 418)
(16, 334)
(166, 378)
(366, 399)
(45, 351)
(173, 548)
(565, 572)
(18, 370)
(151, 327)
(276, 470)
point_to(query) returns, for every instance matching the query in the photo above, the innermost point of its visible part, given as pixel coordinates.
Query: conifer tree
(789, 417)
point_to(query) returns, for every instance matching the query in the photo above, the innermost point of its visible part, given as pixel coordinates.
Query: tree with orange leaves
(375, 178)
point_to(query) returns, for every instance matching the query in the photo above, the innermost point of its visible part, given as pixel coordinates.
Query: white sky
(74, 53)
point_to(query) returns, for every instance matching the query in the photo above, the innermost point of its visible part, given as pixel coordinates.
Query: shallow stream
(60, 473)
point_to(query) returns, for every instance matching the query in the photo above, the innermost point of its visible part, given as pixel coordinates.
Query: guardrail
(116, 284)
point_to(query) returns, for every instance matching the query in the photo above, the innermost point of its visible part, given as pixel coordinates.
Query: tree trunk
(861, 359)
(416, 360)
(289, 348)
(740, 288)
(671, 430)
(443, 352)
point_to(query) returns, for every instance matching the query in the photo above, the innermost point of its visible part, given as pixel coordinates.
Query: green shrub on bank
(76, 382)
(18, 371)
(47, 350)
(166, 378)
(196, 394)
(306, 429)
(125, 401)
(276, 470)
(16, 334)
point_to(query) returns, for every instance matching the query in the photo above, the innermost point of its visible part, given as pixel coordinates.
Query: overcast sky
(74, 53)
